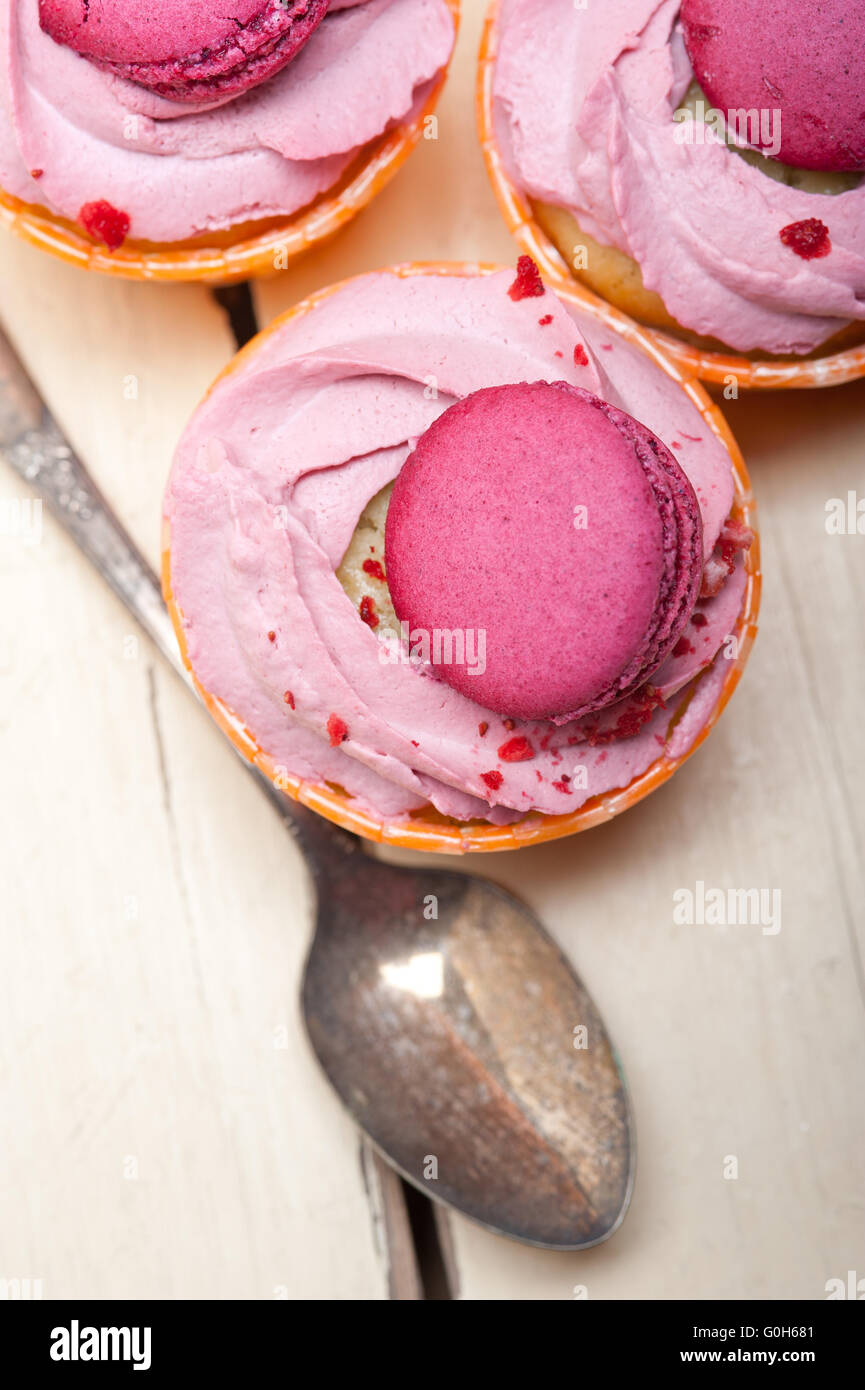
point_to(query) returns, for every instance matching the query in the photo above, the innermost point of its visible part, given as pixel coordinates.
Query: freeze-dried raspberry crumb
(105, 223)
(36, 173)
(289, 698)
(509, 724)
(735, 536)
(367, 611)
(715, 574)
(699, 620)
(682, 647)
(374, 568)
(542, 323)
(562, 786)
(580, 358)
(516, 750)
(638, 712)
(482, 727)
(271, 636)
(414, 743)
(808, 238)
(559, 354)
(528, 284)
(337, 730)
(493, 779)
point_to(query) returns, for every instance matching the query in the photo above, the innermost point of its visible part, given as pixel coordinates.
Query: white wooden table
(166, 1133)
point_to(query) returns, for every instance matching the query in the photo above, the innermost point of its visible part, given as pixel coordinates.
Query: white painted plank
(167, 1133)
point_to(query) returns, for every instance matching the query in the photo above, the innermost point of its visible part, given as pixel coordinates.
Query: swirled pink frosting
(268, 484)
(584, 100)
(89, 136)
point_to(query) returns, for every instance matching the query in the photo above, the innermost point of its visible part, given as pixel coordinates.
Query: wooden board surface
(166, 1133)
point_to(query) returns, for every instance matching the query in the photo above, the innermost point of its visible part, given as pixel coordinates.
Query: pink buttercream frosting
(90, 136)
(584, 100)
(268, 484)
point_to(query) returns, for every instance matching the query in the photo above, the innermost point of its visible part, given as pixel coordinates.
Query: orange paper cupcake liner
(718, 368)
(427, 829)
(240, 252)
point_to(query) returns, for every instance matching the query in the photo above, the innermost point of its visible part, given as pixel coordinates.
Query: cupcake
(456, 565)
(695, 163)
(172, 141)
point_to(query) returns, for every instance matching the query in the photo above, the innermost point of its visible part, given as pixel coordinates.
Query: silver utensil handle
(32, 442)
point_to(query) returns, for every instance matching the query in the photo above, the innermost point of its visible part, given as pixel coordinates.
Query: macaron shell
(803, 59)
(144, 33)
(185, 51)
(486, 532)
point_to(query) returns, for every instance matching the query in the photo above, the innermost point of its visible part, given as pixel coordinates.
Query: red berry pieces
(638, 711)
(493, 779)
(271, 636)
(509, 724)
(482, 728)
(734, 537)
(289, 699)
(36, 173)
(528, 284)
(337, 730)
(580, 358)
(548, 318)
(682, 647)
(367, 611)
(516, 750)
(374, 568)
(562, 786)
(808, 238)
(699, 620)
(105, 223)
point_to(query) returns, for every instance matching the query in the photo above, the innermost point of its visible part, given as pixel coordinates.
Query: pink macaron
(192, 51)
(551, 533)
(804, 60)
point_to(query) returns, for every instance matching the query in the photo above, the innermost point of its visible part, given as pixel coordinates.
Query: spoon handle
(33, 444)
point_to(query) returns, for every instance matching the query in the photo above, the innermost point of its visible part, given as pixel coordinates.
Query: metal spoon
(450, 1025)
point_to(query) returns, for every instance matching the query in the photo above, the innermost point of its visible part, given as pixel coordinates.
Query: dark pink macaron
(558, 527)
(186, 50)
(803, 59)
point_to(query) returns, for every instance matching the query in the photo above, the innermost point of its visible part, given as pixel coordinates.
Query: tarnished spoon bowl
(462, 1042)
